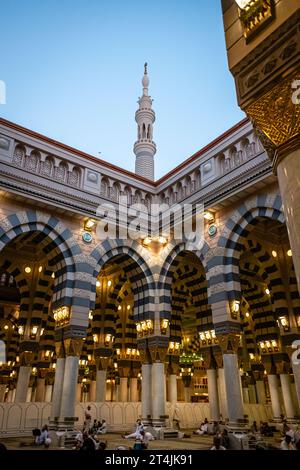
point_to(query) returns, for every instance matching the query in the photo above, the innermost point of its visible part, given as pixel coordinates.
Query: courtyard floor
(114, 440)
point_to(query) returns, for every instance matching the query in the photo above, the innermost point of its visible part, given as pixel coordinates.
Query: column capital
(208, 358)
(60, 350)
(229, 343)
(73, 346)
(26, 358)
(158, 347)
(276, 119)
(102, 362)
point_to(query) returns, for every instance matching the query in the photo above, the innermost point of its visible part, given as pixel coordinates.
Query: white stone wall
(18, 419)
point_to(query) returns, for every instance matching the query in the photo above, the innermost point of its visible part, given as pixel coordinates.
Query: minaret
(145, 148)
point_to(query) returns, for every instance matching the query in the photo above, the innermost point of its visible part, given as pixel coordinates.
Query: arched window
(144, 131)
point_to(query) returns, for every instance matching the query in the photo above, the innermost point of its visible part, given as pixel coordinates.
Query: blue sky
(73, 72)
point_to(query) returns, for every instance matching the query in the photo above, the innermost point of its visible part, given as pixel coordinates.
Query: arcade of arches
(120, 323)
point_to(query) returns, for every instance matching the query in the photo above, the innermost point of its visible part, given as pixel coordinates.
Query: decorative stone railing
(18, 419)
(46, 165)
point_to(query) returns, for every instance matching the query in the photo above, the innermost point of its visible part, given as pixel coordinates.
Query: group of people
(97, 427)
(221, 438)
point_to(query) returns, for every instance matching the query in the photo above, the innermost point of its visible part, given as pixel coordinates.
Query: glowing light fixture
(274, 254)
(40, 269)
(27, 270)
(109, 283)
(156, 242)
(98, 284)
(21, 330)
(89, 224)
(128, 307)
(289, 253)
(244, 4)
(209, 216)
(119, 307)
(95, 338)
(6, 327)
(90, 314)
(267, 291)
(247, 314)
(61, 315)
(53, 275)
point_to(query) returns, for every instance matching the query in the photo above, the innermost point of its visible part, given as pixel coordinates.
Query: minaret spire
(144, 148)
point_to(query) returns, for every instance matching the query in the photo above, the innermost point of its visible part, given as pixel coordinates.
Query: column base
(68, 424)
(234, 426)
(159, 422)
(293, 420)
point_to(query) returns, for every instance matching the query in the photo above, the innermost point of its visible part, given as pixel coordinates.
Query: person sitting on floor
(103, 428)
(43, 438)
(203, 428)
(145, 438)
(287, 444)
(137, 433)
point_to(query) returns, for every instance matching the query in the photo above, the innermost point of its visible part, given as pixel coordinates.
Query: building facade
(148, 326)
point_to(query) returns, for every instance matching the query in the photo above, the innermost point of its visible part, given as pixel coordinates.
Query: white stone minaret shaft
(145, 148)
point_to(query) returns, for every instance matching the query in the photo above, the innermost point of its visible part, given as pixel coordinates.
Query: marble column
(57, 388)
(246, 395)
(123, 389)
(2, 392)
(252, 394)
(48, 393)
(288, 180)
(287, 396)
(101, 385)
(222, 393)
(22, 384)
(173, 388)
(158, 391)
(29, 395)
(260, 392)
(187, 394)
(68, 401)
(10, 396)
(92, 396)
(233, 388)
(274, 394)
(115, 391)
(40, 390)
(134, 392)
(146, 391)
(213, 395)
(78, 392)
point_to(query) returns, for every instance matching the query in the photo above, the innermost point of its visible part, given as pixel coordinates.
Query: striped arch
(266, 267)
(166, 275)
(61, 243)
(246, 217)
(133, 260)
